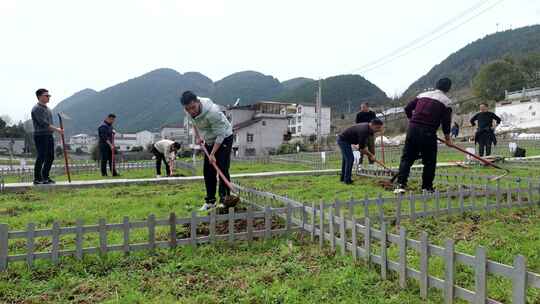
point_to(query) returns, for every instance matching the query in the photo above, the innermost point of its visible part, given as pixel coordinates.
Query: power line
(396, 53)
(436, 37)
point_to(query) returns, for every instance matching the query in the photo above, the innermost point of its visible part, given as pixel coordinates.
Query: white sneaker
(400, 190)
(158, 176)
(206, 207)
(220, 206)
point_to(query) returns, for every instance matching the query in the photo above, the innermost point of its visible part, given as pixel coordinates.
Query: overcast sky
(69, 45)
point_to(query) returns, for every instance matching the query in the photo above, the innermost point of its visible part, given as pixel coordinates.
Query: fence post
(55, 242)
(172, 232)
(367, 240)
(193, 226)
(480, 276)
(384, 255)
(354, 239)
(473, 197)
(402, 257)
(102, 228)
(212, 232)
(461, 200)
(449, 202)
(449, 268)
(4, 249)
(152, 231)
(437, 202)
(289, 219)
(412, 204)
(342, 234)
(267, 223)
(250, 223)
(529, 192)
(313, 221)
(125, 228)
(231, 225)
(366, 208)
(424, 267)
(79, 239)
(321, 225)
(30, 237)
(379, 206)
(331, 228)
(519, 280)
(398, 209)
(498, 197)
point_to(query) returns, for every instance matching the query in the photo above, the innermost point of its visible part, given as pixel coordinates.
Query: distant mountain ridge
(152, 100)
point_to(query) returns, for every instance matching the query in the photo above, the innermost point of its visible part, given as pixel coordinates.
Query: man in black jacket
(366, 115)
(105, 132)
(42, 120)
(485, 135)
(426, 113)
(355, 135)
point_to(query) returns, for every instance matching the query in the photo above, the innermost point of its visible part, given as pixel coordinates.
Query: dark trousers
(347, 160)
(419, 143)
(371, 148)
(106, 157)
(45, 156)
(223, 161)
(484, 144)
(160, 157)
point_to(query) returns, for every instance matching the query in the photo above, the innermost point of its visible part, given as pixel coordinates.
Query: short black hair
(111, 115)
(485, 104)
(187, 98)
(376, 122)
(444, 84)
(40, 92)
(177, 145)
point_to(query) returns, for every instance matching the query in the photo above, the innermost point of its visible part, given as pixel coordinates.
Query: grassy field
(275, 272)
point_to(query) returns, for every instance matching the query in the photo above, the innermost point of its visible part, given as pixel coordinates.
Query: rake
(482, 160)
(64, 146)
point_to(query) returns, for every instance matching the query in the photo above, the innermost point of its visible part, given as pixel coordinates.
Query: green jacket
(212, 124)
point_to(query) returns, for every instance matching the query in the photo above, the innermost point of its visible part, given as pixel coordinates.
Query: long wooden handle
(113, 152)
(221, 175)
(66, 163)
(483, 160)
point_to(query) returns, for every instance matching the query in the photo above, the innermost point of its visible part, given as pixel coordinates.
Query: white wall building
(83, 142)
(173, 132)
(303, 120)
(127, 141)
(520, 110)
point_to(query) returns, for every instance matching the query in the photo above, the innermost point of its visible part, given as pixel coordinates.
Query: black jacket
(365, 116)
(105, 132)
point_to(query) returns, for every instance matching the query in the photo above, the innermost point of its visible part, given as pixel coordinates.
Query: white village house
(258, 128)
(127, 141)
(303, 120)
(519, 110)
(176, 132)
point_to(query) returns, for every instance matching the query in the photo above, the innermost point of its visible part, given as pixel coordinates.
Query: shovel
(230, 200)
(64, 146)
(482, 160)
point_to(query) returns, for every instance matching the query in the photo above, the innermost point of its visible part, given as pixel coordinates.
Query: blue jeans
(347, 161)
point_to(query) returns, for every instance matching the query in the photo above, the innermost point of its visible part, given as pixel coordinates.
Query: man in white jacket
(165, 151)
(217, 135)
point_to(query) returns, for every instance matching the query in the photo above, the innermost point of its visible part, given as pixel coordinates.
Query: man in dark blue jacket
(105, 133)
(426, 113)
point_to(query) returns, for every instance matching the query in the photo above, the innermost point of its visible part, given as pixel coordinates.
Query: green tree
(495, 78)
(530, 65)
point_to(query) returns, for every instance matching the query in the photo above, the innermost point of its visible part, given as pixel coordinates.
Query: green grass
(272, 272)
(260, 273)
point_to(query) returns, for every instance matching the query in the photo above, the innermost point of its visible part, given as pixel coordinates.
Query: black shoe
(38, 182)
(49, 182)
(428, 191)
(115, 175)
(349, 182)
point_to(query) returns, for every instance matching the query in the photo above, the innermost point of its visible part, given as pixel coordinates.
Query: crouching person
(165, 151)
(356, 135)
(216, 134)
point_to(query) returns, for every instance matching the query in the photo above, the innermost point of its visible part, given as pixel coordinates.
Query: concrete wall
(267, 134)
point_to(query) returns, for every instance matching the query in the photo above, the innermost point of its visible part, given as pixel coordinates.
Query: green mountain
(337, 91)
(294, 83)
(152, 100)
(464, 64)
(249, 86)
